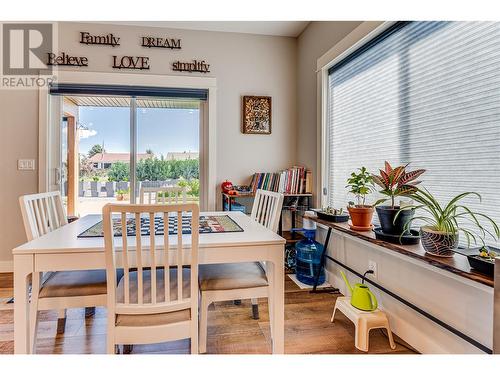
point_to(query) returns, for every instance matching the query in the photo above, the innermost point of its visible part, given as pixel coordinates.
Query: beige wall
(463, 304)
(18, 140)
(243, 64)
(314, 41)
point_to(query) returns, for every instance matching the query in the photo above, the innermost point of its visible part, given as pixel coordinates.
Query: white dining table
(63, 250)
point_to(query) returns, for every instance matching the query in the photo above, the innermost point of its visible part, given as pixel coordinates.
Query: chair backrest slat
(138, 252)
(266, 208)
(179, 255)
(166, 263)
(42, 213)
(166, 194)
(150, 256)
(126, 267)
(152, 252)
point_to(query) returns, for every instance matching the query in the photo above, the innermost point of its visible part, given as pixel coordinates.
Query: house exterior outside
(186, 155)
(106, 159)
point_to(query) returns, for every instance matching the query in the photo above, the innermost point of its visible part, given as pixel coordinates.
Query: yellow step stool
(363, 321)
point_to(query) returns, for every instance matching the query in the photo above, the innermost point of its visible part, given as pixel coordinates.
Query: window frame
(364, 35)
(49, 112)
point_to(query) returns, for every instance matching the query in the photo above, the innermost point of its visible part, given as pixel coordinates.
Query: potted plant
(122, 194)
(360, 184)
(395, 182)
(95, 186)
(444, 223)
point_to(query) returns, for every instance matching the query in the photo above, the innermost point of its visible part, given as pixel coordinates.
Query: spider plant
(396, 182)
(449, 218)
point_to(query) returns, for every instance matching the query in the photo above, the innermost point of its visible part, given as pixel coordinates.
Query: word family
(66, 60)
(131, 62)
(194, 66)
(106, 40)
(150, 42)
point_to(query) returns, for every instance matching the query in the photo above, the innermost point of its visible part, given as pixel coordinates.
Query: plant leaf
(410, 176)
(397, 173)
(378, 181)
(405, 190)
(385, 177)
(388, 168)
(381, 200)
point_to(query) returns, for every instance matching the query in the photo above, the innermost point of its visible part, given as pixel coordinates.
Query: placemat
(208, 224)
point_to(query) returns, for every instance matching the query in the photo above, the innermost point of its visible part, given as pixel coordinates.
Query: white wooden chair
(225, 282)
(43, 213)
(157, 299)
(157, 195)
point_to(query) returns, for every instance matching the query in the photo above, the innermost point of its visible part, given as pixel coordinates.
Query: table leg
(23, 267)
(276, 274)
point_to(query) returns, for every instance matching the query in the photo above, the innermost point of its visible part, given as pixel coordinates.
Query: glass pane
(64, 160)
(168, 148)
(103, 144)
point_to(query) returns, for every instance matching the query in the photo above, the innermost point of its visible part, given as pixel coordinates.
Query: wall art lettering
(104, 40)
(152, 42)
(63, 59)
(193, 66)
(131, 62)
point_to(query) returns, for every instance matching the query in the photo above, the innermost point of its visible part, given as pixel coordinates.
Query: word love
(194, 66)
(150, 42)
(66, 60)
(106, 40)
(131, 62)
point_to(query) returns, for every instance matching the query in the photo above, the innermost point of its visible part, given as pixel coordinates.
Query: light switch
(26, 164)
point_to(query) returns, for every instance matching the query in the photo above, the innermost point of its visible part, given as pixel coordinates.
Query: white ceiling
(279, 28)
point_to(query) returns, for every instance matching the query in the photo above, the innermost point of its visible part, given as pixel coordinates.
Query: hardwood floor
(231, 330)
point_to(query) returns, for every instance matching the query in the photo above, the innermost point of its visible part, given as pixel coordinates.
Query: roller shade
(425, 93)
(132, 91)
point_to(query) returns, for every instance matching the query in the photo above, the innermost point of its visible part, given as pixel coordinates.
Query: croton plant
(396, 182)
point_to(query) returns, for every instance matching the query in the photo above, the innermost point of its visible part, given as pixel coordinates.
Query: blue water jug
(308, 259)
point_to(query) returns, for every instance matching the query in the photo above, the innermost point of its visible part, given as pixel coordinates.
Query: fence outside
(109, 189)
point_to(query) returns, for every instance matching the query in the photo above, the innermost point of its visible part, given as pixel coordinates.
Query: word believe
(106, 40)
(66, 60)
(131, 62)
(194, 66)
(150, 42)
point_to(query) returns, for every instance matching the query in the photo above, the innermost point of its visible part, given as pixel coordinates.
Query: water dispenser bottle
(308, 255)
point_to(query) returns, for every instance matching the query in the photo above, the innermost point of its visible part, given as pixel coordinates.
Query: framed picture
(256, 115)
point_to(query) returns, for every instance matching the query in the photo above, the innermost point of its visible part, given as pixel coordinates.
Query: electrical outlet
(373, 266)
(26, 164)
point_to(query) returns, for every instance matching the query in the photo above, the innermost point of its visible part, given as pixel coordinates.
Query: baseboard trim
(6, 266)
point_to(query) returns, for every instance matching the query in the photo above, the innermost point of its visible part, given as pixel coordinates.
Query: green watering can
(361, 296)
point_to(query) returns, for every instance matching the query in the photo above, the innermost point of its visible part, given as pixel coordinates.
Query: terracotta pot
(361, 216)
(119, 197)
(436, 243)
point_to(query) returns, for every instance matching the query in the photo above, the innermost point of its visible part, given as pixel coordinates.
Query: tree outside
(96, 149)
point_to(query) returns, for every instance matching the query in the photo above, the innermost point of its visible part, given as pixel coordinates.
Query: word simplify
(194, 66)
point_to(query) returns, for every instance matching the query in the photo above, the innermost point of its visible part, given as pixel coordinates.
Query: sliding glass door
(167, 152)
(104, 149)
(124, 143)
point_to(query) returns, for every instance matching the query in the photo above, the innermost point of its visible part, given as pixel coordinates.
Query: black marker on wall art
(131, 62)
(104, 40)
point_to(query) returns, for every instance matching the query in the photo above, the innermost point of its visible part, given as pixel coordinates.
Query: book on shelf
(295, 180)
